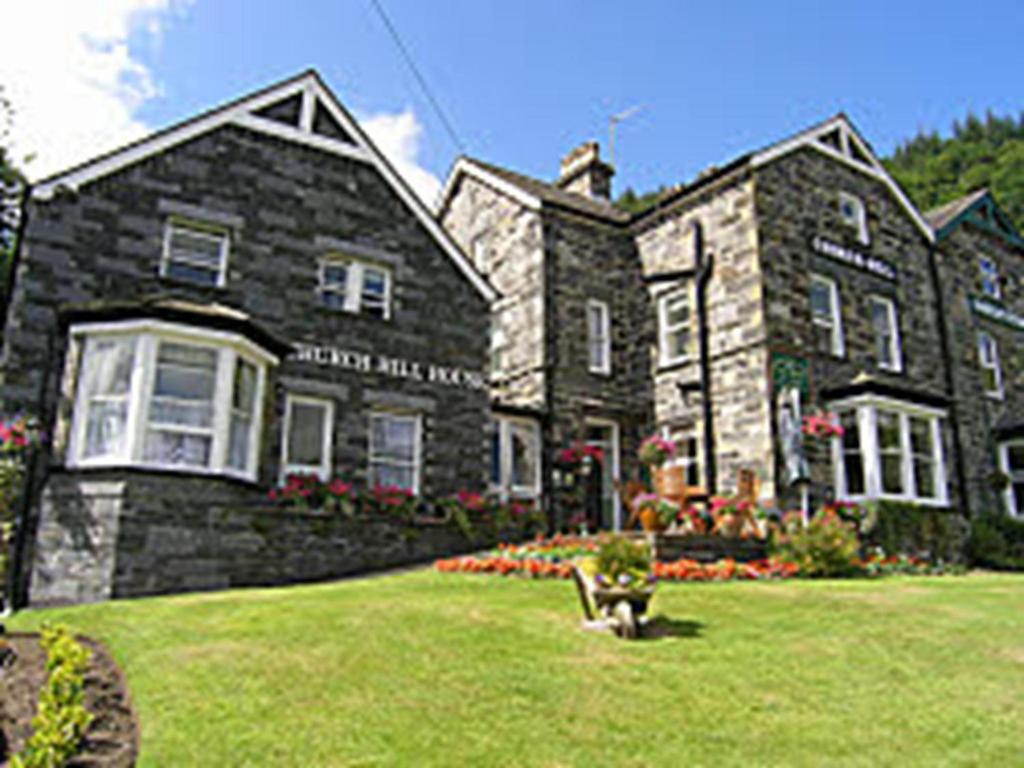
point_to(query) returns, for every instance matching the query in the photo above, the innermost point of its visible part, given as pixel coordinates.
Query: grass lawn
(424, 668)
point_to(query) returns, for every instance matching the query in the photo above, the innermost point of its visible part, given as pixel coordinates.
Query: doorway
(604, 434)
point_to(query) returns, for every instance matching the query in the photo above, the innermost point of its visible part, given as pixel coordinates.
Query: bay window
(889, 449)
(515, 457)
(167, 396)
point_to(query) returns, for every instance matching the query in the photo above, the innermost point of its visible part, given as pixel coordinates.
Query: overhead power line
(419, 77)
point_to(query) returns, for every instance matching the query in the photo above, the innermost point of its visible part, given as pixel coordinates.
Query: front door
(604, 434)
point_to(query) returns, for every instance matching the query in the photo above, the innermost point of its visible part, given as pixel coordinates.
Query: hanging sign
(392, 367)
(995, 312)
(853, 258)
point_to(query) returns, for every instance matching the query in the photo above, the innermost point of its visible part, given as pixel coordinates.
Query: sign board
(791, 372)
(995, 312)
(853, 258)
(392, 367)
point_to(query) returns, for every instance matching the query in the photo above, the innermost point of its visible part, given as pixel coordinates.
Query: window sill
(177, 282)
(667, 366)
(163, 470)
(939, 503)
(339, 311)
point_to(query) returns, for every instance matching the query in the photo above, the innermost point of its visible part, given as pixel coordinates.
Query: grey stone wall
(797, 200)
(979, 414)
(736, 328)
(286, 205)
(105, 538)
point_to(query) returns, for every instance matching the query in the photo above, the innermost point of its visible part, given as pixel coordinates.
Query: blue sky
(525, 81)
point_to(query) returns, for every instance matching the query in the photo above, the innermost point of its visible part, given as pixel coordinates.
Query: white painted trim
(146, 336)
(615, 462)
(664, 330)
(809, 138)
(218, 233)
(354, 282)
(1004, 465)
(895, 343)
(602, 307)
(838, 347)
(860, 214)
(324, 468)
(466, 166)
(417, 449)
(503, 425)
(242, 112)
(994, 365)
(866, 408)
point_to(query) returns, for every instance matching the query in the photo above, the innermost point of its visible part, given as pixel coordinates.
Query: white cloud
(398, 137)
(68, 70)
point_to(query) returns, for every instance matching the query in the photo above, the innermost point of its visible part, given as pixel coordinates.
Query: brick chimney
(584, 173)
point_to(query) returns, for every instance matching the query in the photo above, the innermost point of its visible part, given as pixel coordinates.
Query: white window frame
(417, 444)
(992, 364)
(354, 283)
(859, 222)
(1004, 465)
(989, 272)
(480, 259)
(835, 322)
(503, 426)
(678, 436)
(201, 231)
(895, 343)
(666, 330)
(867, 408)
(602, 362)
(325, 467)
(147, 335)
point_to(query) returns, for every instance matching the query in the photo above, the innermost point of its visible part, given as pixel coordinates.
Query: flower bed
(552, 558)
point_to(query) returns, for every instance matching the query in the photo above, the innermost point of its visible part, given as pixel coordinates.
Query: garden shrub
(618, 556)
(912, 529)
(827, 547)
(997, 541)
(59, 726)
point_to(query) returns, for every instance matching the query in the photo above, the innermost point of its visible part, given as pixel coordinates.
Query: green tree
(11, 183)
(980, 152)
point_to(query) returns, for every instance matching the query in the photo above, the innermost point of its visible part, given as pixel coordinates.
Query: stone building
(981, 271)
(250, 293)
(795, 280)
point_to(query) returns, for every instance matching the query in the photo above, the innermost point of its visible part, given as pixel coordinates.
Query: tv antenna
(613, 122)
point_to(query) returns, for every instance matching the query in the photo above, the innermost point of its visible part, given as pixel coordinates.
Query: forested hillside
(980, 153)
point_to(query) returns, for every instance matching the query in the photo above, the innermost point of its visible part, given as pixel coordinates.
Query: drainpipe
(705, 265)
(947, 362)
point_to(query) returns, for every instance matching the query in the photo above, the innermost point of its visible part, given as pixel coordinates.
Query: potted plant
(655, 451)
(655, 513)
(618, 582)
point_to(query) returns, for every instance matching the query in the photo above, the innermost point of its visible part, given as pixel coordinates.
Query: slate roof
(555, 195)
(941, 216)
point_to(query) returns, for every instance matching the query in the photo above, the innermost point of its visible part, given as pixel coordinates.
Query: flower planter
(650, 520)
(670, 483)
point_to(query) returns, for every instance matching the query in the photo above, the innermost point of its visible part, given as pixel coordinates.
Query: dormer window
(854, 215)
(355, 286)
(195, 253)
(990, 278)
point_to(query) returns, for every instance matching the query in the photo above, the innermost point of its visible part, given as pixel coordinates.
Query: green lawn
(429, 669)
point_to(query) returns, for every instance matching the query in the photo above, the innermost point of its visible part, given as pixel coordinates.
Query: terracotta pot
(670, 483)
(650, 520)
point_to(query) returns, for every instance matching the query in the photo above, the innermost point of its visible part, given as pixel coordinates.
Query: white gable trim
(465, 165)
(242, 112)
(848, 135)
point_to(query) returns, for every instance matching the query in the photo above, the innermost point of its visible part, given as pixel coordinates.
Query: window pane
(854, 468)
(821, 301)
(678, 311)
(394, 438)
(924, 477)
(198, 248)
(185, 372)
(1015, 456)
(107, 369)
(679, 343)
(238, 445)
(388, 474)
(920, 436)
(175, 448)
(596, 321)
(524, 455)
(191, 274)
(104, 429)
(335, 275)
(306, 434)
(892, 474)
(888, 431)
(244, 392)
(1018, 496)
(496, 454)
(243, 403)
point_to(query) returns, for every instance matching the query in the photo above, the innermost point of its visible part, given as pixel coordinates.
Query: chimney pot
(584, 173)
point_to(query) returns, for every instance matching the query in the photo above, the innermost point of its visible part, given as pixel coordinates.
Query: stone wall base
(101, 540)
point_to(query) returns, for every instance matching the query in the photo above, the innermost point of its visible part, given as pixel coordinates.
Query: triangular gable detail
(339, 134)
(286, 111)
(985, 214)
(838, 139)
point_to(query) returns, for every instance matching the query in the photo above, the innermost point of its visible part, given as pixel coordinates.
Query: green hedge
(997, 541)
(913, 529)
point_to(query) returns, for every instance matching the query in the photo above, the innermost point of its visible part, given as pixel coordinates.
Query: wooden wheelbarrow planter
(620, 609)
